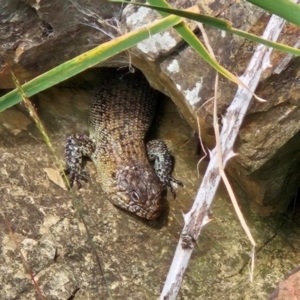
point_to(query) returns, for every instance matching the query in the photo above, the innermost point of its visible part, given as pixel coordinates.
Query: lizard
(121, 113)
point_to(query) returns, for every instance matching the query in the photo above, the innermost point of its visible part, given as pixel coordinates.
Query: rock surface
(39, 35)
(268, 160)
(289, 289)
(36, 37)
(40, 220)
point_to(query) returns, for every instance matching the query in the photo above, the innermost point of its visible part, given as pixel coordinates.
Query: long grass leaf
(192, 39)
(286, 9)
(86, 60)
(221, 24)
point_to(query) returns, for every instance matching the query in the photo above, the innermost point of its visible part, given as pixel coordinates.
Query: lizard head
(138, 190)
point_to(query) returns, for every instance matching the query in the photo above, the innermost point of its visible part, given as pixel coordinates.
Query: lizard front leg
(77, 146)
(158, 152)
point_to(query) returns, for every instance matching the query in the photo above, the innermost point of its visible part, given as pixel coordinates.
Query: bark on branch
(197, 217)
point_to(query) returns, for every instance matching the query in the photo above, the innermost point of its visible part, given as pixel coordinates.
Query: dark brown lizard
(121, 113)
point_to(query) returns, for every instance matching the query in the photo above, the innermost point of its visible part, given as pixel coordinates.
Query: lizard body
(121, 113)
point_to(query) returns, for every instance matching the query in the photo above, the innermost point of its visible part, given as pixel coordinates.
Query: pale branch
(197, 217)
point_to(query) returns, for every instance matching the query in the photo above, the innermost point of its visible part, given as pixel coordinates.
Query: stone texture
(268, 144)
(36, 37)
(41, 220)
(268, 160)
(39, 35)
(53, 33)
(289, 289)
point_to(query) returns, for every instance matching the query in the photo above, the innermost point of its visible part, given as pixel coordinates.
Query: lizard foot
(173, 183)
(158, 152)
(75, 177)
(77, 146)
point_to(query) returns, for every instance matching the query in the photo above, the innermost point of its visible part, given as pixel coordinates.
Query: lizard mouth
(154, 214)
(149, 212)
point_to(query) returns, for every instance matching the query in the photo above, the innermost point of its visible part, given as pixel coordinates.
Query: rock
(289, 289)
(41, 220)
(37, 36)
(266, 168)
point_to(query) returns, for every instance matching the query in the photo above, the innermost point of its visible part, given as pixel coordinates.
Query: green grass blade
(165, 10)
(86, 60)
(194, 42)
(286, 9)
(257, 39)
(222, 24)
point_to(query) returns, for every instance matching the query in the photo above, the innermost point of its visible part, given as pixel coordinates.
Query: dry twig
(197, 217)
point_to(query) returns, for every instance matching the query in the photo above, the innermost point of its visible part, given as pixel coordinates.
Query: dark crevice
(73, 294)
(46, 27)
(294, 207)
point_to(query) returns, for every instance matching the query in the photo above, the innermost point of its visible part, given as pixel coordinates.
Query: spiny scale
(121, 113)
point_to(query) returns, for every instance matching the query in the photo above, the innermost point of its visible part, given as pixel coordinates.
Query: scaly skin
(120, 115)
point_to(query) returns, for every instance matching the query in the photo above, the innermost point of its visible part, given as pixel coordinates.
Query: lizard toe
(76, 177)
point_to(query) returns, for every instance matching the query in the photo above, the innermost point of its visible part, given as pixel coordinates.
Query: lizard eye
(135, 197)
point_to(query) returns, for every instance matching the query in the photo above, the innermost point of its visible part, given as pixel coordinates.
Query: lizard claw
(76, 177)
(78, 145)
(173, 183)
